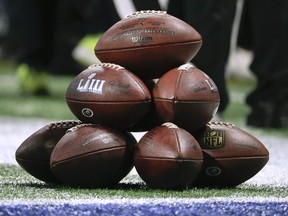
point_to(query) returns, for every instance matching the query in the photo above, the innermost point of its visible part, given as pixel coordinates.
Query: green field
(15, 183)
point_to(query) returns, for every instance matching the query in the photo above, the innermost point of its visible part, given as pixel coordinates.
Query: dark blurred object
(9, 26)
(264, 31)
(213, 19)
(50, 30)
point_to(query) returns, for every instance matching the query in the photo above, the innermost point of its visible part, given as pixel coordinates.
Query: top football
(149, 43)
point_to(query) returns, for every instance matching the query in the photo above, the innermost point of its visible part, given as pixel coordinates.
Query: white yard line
(142, 201)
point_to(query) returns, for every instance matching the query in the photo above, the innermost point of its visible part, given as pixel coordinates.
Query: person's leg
(37, 29)
(213, 20)
(72, 22)
(36, 20)
(269, 33)
(10, 14)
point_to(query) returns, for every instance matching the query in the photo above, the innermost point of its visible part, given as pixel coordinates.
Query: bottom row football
(166, 157)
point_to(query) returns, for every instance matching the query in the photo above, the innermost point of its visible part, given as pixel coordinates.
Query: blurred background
(44, 45)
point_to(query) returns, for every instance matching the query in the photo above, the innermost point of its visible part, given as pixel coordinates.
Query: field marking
(150, 208)
(140, 201)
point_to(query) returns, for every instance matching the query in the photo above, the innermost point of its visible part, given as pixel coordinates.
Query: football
(33, 155)
(168, 157)
(108, 94)
(149, 43)
(93, 156)
(231, 155)
(187, 97)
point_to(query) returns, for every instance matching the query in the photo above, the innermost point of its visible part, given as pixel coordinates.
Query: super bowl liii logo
(91, 85)
(213, 139)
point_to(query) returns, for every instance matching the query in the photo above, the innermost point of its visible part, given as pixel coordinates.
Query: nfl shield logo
(213, 139)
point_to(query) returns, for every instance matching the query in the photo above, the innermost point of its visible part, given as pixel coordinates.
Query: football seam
(241, 157)
(32, 160)
(178, 144)
(109, 102)
(177, 85)
(175, 96)
(87, 153)
(170, 158)
(97, 51)
(147, 93)
(185, 101)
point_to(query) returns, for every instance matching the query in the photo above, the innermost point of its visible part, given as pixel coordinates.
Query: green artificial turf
(15, 183)
(15, 103)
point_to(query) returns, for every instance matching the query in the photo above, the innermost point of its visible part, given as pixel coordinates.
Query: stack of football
(145, 83)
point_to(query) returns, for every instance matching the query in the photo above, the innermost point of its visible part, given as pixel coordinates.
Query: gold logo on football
(213, 139)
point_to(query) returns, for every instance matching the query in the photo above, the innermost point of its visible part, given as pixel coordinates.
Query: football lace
(221, 123)
(186, 67)
(76, 127)
(144, 12)
(170, 125)
(64, 124)
(107, 65)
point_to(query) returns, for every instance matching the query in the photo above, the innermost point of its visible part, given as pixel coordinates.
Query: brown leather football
(93, 156)
(187, 97)
(231, 155)
(108, 94)
(149, 43)
(168, 157)
(33, 155)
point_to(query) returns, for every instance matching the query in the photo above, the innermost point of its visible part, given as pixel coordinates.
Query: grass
(15, 103)
(15, 183)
